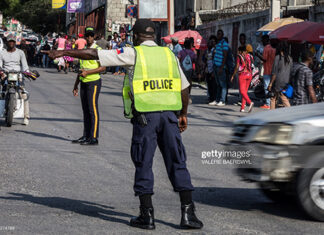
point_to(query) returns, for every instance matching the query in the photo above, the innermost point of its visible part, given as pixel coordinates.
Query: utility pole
(275, 10)
(171, 14)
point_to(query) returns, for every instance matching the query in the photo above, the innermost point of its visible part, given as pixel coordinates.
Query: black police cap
(143, 25)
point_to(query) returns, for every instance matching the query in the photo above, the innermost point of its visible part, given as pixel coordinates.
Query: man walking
(302, 80)
(268, 57)
(155, 88)
(220, 58)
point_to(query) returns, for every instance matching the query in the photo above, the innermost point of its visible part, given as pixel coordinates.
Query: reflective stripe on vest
(89, 65)
(156, 82)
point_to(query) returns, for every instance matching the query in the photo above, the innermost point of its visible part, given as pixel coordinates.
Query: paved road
(49, 186)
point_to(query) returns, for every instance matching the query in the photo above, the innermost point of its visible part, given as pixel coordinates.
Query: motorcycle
(318, 83)
(12, 90)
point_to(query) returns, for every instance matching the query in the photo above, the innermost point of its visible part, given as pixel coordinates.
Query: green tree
(37, 15)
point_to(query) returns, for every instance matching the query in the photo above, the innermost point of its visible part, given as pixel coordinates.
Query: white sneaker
(242, 110)
(26, 121)
(220, 103)
(214, 103)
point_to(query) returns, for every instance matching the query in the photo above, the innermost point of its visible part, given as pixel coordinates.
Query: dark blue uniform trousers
(163, 131)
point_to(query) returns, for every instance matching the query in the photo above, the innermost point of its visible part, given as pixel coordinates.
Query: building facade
(247, 17)
(106, 16)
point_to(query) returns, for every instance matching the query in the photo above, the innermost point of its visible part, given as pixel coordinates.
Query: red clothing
(244, 82)
(269, 54)
(80, 43)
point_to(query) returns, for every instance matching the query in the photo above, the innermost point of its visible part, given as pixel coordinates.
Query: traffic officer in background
(90, 80)
(155, 89)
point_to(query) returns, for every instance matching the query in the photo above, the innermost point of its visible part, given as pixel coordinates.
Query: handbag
(288, 91)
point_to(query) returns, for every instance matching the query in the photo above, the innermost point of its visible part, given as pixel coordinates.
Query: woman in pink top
(61, 43)
(68, 59)
(244, 68)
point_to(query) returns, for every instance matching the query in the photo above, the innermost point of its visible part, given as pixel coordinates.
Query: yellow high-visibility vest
(89, 65)
(156, 83)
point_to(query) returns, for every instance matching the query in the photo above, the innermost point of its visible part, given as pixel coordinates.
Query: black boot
(90, 141)
(145, 220)
(80, 140)
(189, 219)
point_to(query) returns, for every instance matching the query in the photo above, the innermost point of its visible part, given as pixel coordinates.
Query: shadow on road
(43, 135)
(80, 207)
(76, 206)
(246, 199)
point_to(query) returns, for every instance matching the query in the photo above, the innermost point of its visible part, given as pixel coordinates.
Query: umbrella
(288, 31)
(313, 34)
(200, 42)
(279, 23)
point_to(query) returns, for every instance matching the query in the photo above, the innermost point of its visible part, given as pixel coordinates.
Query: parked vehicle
(286, 154)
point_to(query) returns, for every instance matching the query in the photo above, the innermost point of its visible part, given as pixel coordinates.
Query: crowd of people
(271, 68)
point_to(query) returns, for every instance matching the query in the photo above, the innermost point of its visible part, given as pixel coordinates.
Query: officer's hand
(75, 91)
(83, 73)
(183, 123)
(53, 54)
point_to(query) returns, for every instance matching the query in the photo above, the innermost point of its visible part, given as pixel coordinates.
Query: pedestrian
(281, 71)
(268, 57)
(243, 43)
(80, 43)
(38, 54)
(67, 59)
(209, 70)
(155, 88)
(187, 58)
(114, 46)
(121, 44)
(302, 80)
(102, 42)
(90, 80)
(46, 47)
(61, 44)
(176, 46)
(244, 63)
(220, 58)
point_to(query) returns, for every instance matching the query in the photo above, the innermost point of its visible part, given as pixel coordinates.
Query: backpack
(187, 63)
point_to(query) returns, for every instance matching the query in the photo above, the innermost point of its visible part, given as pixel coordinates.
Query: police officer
(155, 89)
(90, 80)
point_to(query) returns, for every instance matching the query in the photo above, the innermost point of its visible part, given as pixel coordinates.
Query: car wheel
(310, 190)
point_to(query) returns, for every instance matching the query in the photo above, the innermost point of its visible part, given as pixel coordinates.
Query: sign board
(56, 4)
(153, 9)
(74, 6)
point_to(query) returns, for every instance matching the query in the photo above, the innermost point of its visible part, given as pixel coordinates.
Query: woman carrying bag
(280, 75)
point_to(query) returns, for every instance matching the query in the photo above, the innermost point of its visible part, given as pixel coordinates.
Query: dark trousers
(163, 131)
(89, 95)
(212, 86)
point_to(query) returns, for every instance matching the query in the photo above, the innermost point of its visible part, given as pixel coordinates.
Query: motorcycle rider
(14, 59)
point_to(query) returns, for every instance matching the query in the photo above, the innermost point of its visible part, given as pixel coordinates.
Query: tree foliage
(37, 15)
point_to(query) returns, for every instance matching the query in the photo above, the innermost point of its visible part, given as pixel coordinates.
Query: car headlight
(274, 134)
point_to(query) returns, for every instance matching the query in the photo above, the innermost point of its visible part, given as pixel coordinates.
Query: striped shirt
(219, 52)
(302, 77)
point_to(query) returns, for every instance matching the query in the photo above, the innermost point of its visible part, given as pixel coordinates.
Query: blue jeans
(221, 82)
(45, 61)
(266, 82)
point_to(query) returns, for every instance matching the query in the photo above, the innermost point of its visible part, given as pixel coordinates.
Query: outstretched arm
(183, 121)
(87, 54)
